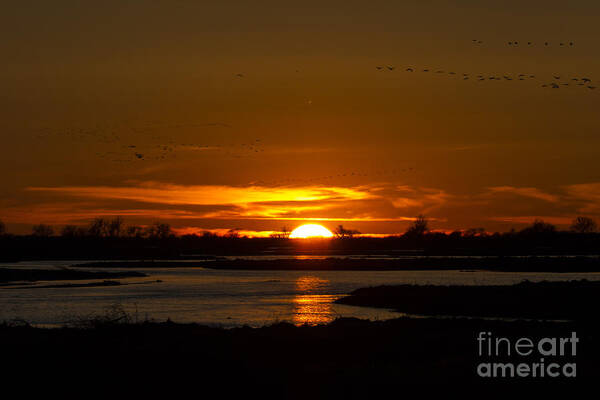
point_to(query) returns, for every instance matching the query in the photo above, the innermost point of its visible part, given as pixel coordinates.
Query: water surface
(232, 297)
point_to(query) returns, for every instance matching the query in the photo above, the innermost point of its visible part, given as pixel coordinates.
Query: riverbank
(347, 357)
(540, 300)
(64, 274)
(500, 263)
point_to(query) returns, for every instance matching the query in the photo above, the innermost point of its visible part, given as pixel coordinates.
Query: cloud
(154, 192)
(528, 219)
(525, 192)
(375, 208)
(586, 195)
(168, 201)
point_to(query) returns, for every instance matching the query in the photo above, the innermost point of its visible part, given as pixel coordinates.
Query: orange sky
(135, 108)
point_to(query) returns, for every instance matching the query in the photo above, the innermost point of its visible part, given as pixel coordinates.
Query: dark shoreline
(344, 358)
(69, 285)
(538, 300)
(500, 263)
(64, 274)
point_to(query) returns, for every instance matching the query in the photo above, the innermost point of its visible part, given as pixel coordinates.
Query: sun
(311, 231)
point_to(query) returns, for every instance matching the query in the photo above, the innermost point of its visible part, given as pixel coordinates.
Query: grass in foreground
(347, 357)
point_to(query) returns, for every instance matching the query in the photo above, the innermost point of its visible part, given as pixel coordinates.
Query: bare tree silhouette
(159, 230)
(539, 227)
(419, 227)
(473, 232)
(115, 227)
(584, 225)
(232, 234)
(135, 231)
(70, 231)
(98, 227)
(341, 232)
(42, 230)
(284, 233)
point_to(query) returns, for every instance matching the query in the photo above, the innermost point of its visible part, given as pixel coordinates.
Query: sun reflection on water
(311, 308)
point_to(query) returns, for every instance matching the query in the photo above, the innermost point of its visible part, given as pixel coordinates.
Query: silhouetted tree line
(111, 238)
(107, 228)
(341, 233)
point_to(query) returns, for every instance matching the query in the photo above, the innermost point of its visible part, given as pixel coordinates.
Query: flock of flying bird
(529, 43)
(157, 147)
(135, 152)
(125, 148)
(158, 152)
(557, 83)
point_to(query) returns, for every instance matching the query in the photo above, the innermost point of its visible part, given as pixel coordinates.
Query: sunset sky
(255, 115)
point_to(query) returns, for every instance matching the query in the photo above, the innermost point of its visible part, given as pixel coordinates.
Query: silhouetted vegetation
(539, 228)
(42, 230)
(342, 233)
(284, 233)
(109, 239)
(71, 231)
(418, 228)
(584, 225)
(541, 300)
(348, 358)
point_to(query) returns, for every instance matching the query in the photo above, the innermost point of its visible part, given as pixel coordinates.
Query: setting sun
(310, 231)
